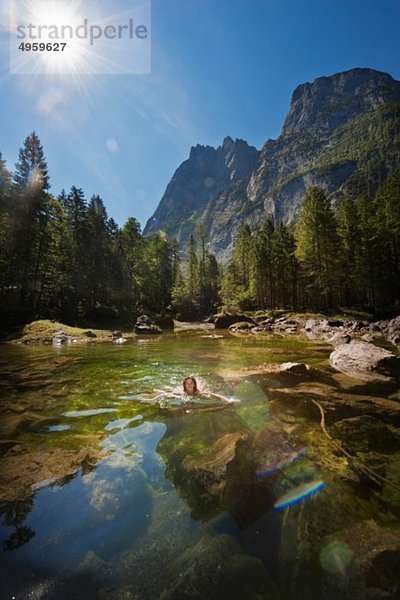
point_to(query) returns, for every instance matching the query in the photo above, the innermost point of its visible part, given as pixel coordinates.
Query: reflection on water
(105, 495)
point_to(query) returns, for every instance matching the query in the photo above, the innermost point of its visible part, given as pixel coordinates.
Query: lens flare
(335, 557)
(301, 492)
(285, 461)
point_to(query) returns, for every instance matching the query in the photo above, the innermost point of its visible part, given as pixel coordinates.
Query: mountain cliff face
(341, 133)
(207, 172)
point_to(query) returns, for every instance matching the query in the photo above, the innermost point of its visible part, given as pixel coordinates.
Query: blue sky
(219, 67)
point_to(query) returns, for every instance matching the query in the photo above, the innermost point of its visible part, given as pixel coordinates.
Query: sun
(58, 18)
(51, 24)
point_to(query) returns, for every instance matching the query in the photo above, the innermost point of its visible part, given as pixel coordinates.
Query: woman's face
(189, 386)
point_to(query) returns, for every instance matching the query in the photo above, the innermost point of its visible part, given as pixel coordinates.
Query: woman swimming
(191, 390)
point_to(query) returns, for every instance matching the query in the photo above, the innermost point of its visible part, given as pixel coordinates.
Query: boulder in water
(226, 320)
(144, 325)
(294, 368)
(364, 358)
(242, 326)
(60, 338)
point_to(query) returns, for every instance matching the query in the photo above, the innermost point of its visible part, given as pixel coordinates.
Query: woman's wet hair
(190, 378)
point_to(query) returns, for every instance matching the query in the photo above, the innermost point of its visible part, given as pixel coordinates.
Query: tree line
(342, 256)
(63, 257)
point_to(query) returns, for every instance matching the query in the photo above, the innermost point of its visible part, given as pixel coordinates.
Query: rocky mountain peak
(204, 174)
(228, 142)
(341, 133)
(328, 102)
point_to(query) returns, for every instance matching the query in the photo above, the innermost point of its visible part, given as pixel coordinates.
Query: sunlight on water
(88, 413)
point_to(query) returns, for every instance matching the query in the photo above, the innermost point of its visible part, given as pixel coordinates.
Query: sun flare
(50, 26)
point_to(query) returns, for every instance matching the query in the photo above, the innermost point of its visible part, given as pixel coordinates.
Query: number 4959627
(42, 47)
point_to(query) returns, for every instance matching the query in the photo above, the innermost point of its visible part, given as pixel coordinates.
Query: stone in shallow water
(216, 568)
(295, 368)
(365, 358)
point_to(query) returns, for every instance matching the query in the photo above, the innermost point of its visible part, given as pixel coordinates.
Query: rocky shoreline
(335, 331)
(357, 344)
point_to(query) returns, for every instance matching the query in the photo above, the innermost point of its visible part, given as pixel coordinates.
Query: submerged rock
(216, 568)
(361, 563)
(337, 405)
(216, 474)
(329, 549)
(365, 434)
(21, 474)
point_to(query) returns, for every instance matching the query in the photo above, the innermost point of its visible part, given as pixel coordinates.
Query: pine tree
(230, 287)
(387, 232)
(75, 209)
(158, 263)
(262, 277)
(317, 248)
(285, 267)
(32, 213)
(98, 254)
(192, 276)
(7, 223)
(243, 257)
(129, 271)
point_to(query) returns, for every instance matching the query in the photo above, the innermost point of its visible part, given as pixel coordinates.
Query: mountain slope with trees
(342, 133)
(334, 244)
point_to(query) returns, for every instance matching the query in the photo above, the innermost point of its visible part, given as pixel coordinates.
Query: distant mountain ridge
(341, 132)
(205, 174)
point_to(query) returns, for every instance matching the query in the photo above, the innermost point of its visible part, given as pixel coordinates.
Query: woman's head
(190, 386)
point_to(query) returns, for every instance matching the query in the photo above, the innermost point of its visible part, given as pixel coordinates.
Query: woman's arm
(153, 400)
(159, 397)
(223, 398)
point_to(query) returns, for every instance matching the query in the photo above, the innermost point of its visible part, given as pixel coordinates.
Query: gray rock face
(233, 184)
(329, 102)
(362, 357)
(207, 172)
(313, 133)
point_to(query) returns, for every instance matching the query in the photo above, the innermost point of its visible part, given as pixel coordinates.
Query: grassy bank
(42, 332)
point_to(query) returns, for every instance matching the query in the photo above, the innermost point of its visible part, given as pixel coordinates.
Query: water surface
(104, 495)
